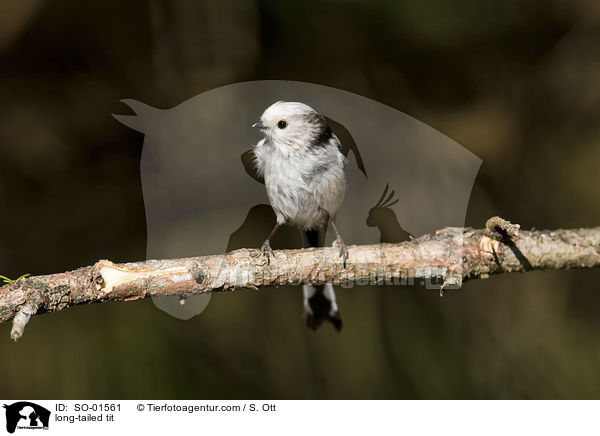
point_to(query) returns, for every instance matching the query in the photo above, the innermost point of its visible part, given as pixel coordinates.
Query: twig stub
(499, 228)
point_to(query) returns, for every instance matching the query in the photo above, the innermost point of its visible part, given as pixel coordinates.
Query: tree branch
(451, 256)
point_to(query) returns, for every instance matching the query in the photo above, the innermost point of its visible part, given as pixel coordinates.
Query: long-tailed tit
(302, 164)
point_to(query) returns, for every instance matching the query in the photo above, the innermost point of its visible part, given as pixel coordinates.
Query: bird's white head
(293, 124)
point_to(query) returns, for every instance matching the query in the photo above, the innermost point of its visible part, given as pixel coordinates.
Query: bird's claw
(267, 251)
(339, 243)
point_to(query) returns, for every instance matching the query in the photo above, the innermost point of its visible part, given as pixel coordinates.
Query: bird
(303, 166)
(384, 218)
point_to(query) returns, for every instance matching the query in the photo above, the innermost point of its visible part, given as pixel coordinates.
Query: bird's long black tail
(319, 300)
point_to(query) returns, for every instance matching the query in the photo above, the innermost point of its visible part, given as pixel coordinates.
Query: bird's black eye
(281, 124)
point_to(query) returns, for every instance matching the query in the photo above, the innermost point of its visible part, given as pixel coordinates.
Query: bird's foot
(267, 251)
(341, 246)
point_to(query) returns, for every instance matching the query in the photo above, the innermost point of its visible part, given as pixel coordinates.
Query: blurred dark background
(515, 82)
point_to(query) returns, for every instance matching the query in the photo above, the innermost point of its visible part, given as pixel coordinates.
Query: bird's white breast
(303, 188)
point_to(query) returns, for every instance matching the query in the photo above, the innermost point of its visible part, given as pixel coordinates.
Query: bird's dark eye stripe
(323, 137)
(282, 124)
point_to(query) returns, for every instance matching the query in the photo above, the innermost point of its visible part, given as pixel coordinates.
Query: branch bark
(448, 257)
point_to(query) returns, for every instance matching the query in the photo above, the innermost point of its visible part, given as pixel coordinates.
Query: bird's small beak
(259, 124)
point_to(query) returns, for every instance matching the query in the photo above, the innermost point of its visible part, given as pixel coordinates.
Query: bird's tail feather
(320, 306)
(319, 300)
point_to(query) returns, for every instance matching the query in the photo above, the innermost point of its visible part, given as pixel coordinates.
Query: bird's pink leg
(340, 243)
(266, 246)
